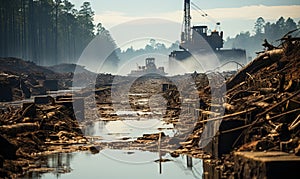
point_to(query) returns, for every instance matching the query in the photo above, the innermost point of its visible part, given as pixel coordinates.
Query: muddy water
(121, 164)
(110, 131)
(109, 163)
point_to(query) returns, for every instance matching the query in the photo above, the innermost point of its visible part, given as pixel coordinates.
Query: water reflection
(56, 164)
(129, 129)
(120, 164)
(61, 163)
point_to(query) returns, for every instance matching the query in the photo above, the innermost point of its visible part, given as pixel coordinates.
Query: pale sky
(235, 15)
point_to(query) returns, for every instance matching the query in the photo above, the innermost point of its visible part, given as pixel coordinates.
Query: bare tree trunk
(56, 35)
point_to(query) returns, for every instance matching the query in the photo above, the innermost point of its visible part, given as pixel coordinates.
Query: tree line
(46, 32)
(153, 46)
(50, 32)
(272, 32)
(251, 42)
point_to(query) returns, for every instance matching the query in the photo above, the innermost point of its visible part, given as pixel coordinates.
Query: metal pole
(189, 161)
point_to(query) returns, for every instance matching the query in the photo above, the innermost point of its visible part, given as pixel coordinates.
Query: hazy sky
(235, 15)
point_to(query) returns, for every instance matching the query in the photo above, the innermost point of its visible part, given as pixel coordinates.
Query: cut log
(15, 129)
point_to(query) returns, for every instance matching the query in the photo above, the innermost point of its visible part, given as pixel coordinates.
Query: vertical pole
(159, 152)
(189, 161)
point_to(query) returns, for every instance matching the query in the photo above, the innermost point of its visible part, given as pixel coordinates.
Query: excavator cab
(200, 36)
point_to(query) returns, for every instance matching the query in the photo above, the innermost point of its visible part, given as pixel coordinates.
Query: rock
(125, 138)
(94, 150)
(174, 154)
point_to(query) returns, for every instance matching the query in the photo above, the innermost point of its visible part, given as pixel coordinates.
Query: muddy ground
(259, 110)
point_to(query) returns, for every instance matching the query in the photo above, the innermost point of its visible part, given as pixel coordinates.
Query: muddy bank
(258, 111)
(21, 79)
(261, 114)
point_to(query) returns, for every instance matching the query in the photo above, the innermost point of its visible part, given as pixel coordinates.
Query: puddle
(120, 164)
(109, 163)
(131, 113)
(118, 130)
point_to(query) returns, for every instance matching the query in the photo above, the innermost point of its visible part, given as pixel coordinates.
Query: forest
(50, 32)
(272, 32)
(251, 41)
(46, 32)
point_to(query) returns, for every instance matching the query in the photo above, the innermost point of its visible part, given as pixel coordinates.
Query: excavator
(198, 40)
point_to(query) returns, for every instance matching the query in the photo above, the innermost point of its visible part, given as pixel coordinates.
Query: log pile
(265, 95)
(20, 79)
(270, 86)
(33, 129)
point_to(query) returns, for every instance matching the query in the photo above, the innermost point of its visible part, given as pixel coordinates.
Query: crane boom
(187, 21)
(198, 40)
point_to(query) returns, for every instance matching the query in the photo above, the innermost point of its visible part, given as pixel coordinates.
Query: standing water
(109, 163)
(120, 164)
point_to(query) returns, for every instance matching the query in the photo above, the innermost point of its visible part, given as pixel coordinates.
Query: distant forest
(272, 32)
(251, 42)
(152, 47)
(50, 32)
(46, 32)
